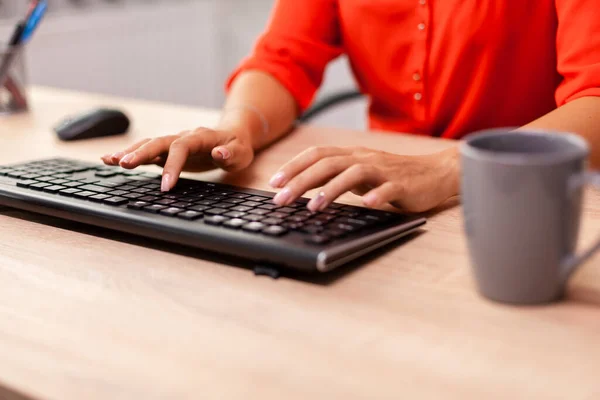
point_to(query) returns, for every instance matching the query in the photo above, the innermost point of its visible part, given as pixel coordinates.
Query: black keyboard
(215, 217)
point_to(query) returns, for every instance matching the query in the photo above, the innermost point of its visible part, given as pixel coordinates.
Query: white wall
(178, 51)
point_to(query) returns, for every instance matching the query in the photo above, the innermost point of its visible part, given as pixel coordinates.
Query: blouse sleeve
(301, 38)
(578, 49)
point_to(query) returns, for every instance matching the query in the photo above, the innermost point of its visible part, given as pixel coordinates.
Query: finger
(314, 176)
(358, 174)
(115, 158)
(386, 193)
(179, 152)
(302, 162)
(234, 156)
(147, 152)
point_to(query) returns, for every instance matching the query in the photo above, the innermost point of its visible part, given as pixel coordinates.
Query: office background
(156, 50)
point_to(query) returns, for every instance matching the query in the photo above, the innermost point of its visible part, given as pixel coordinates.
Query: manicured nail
(283, 197)
(224, 152)
(370, 200)
(128, 158)
(318, 203)
(277, 180)
(166, 183)
(116, 157)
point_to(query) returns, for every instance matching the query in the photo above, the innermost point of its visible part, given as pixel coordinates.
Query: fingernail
(370, 199)
(283, 197)
(166, 183)
(128, 158)
(277, 179)
(224, 152)
(318, 203)
(116, 157)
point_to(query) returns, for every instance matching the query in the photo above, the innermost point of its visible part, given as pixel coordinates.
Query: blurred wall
(178, 51)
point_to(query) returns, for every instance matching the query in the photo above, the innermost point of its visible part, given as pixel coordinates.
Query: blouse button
(421, 26)
(418, 96)
(416, 77)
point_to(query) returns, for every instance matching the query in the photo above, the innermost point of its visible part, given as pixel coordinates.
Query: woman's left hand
(411, 183)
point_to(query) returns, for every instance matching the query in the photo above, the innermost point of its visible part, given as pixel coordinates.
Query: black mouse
(96, 123)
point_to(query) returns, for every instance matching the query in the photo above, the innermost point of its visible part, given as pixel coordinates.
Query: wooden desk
(89, 314)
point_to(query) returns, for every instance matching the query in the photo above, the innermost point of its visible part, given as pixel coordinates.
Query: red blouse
(438, 67)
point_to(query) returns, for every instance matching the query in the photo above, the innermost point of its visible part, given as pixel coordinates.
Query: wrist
(450, 167)
(246, 122)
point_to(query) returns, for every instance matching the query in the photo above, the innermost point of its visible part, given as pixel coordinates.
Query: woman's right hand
(195, 151)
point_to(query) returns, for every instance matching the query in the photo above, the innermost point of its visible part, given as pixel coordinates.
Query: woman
(440, 68)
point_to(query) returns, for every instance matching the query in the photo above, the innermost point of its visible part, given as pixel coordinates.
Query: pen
(34, 19)
(16, 36)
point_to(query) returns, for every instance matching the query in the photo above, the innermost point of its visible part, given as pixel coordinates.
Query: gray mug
(521, 193)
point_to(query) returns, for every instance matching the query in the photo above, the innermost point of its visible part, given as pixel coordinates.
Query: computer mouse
(96, 123)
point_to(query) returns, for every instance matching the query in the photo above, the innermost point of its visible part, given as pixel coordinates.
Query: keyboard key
(206, 202)
(152, 186)
(17, 174)
(311, 229)
(108, 184)
(235, 214)
(68, 192)
(53, 188)
(215, 219)
(259, 211)
(166, 202)
(171, 211)
(133, 196)
(26, 184)
(84, 194)
(296, 218)
(45, 178)
(278, 215)
(149, 198)
(234, 201)
(258, 198)
(223, 205)
(106, 174)
(118, 192)
(182, 204)
(344, 227)
(190, 215)
(126, 187)
(39, 185)
(154, 208)
(99, 197)
(59, 181)
(63, 176)
(269, 206)
(95, 188)
(275, 231)
(336, 206)
(352, 221)
(253, 217)
(254, 227)
(137, 205)
(72, 184)
(273, 221)
(4, 171)
(235, 223)
(318, 239)
(215, 211)
(305, 213)
(215, 198)
(335, 233)
(287, 210)
(294, 226)
(199, 208)
(239, 196)
(141, 190)
(241, 208)
(116, 201)
(331, 211)
(89, 180)
(31, 176)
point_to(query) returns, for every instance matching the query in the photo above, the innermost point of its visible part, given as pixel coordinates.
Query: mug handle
(572, 261)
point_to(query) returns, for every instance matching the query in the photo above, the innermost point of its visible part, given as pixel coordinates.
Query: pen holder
(13, 95)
